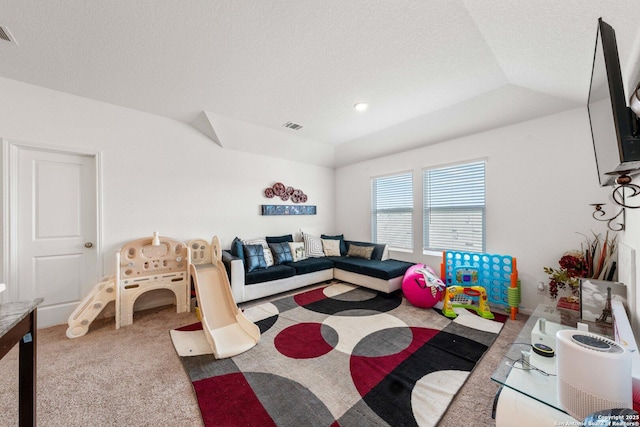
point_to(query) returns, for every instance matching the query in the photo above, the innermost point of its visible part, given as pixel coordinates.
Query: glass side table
(513, 372)
(528, 380)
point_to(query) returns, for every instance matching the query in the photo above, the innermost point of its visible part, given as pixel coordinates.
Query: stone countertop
(13, 312)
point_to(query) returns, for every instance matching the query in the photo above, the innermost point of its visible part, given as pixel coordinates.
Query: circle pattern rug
(342, 355)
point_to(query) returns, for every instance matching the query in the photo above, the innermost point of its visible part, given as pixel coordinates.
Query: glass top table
(531, 374)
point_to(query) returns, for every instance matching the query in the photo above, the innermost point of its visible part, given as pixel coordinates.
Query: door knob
(88, 245)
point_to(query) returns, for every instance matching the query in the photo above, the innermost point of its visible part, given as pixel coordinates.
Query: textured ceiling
(431, 70)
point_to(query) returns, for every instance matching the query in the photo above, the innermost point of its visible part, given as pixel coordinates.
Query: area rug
(339, 356)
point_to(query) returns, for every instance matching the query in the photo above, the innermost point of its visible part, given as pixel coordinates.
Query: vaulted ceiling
(430, 70)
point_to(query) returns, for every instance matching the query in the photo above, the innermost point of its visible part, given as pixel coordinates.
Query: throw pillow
(297, 251)
(253, 257)
(360, 251)
(268, 257)
(343, 245)
(379, 249)
(313, 246)
(279, 239)
(281, 252)
(236, 248)
(331, 247)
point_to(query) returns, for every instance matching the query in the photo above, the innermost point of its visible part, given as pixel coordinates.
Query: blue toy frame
(497, 274)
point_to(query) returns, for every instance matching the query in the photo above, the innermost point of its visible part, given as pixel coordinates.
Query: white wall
(631, 239)
(540, 179)
(164, 175)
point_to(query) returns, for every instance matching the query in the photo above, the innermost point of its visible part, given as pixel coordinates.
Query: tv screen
(616, 146)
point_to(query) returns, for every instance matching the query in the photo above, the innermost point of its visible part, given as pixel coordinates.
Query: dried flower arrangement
(596, 259)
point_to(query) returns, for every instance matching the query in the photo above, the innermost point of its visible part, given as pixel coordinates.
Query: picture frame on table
(594, 294)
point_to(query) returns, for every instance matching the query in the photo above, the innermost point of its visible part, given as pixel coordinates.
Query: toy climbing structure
(480, 279)
(142, 265)
(103, 293)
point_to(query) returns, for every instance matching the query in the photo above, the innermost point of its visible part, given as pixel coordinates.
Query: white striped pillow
(313, 246)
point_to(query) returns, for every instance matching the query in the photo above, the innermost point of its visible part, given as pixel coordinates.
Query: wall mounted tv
(614, 127)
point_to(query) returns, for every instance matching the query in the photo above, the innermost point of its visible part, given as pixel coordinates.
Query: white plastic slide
(227, 329)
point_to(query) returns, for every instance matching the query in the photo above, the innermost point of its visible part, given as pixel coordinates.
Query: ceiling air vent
(5, 35)
(292, 125)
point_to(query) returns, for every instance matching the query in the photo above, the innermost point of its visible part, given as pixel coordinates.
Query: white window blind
(392, 210)
(454, 208)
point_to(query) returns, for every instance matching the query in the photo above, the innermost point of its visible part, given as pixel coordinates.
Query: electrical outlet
(542, 288)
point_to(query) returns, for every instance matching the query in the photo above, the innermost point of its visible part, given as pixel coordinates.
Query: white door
(56, 230)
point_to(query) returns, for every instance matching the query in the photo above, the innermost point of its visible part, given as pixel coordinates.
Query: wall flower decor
(285, 193)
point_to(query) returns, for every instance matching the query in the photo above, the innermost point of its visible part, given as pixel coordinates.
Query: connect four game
(497, 274)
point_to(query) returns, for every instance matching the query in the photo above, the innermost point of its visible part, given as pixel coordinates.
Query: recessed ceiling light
(361, 106)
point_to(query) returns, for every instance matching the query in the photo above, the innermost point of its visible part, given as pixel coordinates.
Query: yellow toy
(472, 291)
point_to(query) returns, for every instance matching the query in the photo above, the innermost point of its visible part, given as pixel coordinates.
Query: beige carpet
(133, 377)
(126, 377)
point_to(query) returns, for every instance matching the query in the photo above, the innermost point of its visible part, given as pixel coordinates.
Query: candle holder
(623, 194)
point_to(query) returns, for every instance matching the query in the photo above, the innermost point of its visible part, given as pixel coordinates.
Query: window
(392, 210)
(454, 208)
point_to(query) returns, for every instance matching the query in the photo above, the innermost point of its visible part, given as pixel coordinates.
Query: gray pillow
(356, 251)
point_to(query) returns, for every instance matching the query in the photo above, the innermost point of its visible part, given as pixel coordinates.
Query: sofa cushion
(378, 250)
(331, 247)
(387, 269)
(236, 248)
(312, 246)
(281, 252)
(297, 251)
(268, 256)
(267, 274)
(357, 251)
(253, 258)
(340, 237)
(279, 239)
(311, 265)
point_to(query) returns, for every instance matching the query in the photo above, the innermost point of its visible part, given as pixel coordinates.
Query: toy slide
(226, 328)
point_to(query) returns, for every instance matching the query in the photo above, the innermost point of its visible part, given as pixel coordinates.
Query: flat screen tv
(614, 127)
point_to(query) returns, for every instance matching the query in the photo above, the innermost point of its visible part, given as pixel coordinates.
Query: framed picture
(596, 297)
(288, 210)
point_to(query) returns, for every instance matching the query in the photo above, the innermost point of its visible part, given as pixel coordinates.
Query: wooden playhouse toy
(142, 265)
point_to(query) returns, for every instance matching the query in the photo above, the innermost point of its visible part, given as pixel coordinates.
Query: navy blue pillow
(343, 245)
(281, 252)
(279, 239)
(236, 248)
(253, 258)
